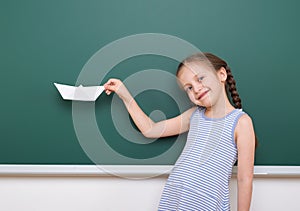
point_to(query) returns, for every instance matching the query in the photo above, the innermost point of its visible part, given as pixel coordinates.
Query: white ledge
(127, 170)
(86, 170)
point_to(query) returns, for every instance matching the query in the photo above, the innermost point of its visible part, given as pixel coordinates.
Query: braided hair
(230, 86)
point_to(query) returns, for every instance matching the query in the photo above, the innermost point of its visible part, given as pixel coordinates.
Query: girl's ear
(222, 74)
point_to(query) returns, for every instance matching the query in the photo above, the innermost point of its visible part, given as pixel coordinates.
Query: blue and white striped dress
(201, 175)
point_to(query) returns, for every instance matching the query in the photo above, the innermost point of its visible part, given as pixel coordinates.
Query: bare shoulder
(244, 121)
(188, 113)
(244, 129)
(186, 118)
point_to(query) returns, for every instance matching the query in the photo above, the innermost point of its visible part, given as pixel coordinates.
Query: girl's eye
(189, 88)
(200, 78)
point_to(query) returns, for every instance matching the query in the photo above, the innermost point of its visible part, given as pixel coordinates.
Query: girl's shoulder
(244, 121)
(244, 124)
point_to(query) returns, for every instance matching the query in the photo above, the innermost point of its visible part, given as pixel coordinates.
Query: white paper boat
(80, 93)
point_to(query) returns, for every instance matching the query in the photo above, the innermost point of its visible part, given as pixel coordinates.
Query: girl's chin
(203, 104)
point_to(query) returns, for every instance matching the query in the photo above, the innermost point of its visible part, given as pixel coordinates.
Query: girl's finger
(110, 83)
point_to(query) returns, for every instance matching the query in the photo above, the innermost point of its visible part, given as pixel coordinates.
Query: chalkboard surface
(43, 42)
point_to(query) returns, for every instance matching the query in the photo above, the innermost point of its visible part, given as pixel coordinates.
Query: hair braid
(232, 89)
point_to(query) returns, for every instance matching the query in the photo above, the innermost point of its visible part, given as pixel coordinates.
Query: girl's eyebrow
(196, 76)
(186, 84)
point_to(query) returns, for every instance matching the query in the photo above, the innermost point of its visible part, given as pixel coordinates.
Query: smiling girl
(219, 134)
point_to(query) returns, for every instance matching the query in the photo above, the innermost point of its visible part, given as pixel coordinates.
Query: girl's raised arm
(148, 128)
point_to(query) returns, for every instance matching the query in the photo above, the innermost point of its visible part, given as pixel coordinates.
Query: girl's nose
(197, 87)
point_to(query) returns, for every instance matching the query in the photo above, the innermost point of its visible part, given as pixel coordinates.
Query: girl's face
(203, 84)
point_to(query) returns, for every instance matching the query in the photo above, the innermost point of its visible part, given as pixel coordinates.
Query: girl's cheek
(191, 97)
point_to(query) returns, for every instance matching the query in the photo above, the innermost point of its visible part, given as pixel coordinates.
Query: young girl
(219, 134)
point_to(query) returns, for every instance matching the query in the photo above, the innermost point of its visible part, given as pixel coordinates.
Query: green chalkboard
(43, 42)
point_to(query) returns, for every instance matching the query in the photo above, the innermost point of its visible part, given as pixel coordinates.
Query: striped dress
(200, 177)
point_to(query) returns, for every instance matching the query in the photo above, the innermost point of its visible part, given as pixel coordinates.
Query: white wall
(43, 193)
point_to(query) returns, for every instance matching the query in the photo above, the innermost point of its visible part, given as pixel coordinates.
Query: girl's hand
(115, 85)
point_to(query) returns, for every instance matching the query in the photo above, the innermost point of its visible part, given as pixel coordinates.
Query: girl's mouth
(202, 94)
